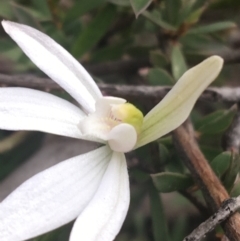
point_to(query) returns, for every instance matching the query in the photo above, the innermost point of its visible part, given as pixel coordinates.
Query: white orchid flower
(92, 188)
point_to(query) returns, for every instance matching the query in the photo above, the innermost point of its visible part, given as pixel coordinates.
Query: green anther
(129, 114)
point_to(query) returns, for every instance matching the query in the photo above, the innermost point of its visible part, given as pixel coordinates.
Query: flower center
(115, 121)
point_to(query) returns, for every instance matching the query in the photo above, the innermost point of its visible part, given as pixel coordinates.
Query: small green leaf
(42, 9)
(25, 16)
(201, 45)
(94, 31)
(216, 122)
(232, 172)
(156, 18)
(81, 7)
(139, 6)
(185, 11)
(109, 52)
(124, 3)
(179, 66)
(221, 163)
(5, 9)
(170, 181)
(235, 192)
(210, 151)
(159, 221)
(179, 228)
(158, 76)
(194, 16)
(157, 58)
(211, 28)
(164, 154)
(171, 12)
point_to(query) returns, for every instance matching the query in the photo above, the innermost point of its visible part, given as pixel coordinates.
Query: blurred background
(132, 42)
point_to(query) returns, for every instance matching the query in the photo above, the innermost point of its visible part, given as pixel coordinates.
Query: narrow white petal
(53, 197)
(102, 219)
(56, 62)
(27, 109)
(174, 109)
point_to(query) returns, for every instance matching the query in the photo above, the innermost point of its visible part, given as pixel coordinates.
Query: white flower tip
(215, 61)
(6, 25)
(9, 26)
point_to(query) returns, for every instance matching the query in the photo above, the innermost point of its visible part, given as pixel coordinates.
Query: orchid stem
(214, 192)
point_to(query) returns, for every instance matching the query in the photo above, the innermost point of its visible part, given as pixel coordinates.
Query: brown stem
(213, 191)
(130, 92)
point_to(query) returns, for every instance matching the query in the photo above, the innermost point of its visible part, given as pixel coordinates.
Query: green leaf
(210, 151)
(158, 76)
(164, 154)
(232, 172)
(211, 28)
(194, 16)
(5, 9)
(197, 44)
(179, 66)
(25, 16)
(124, 3)
(81, 7)
(112, 52)
(170, 181)
(157, 58)
(216, 122)
(179, 228)
(172, 8)
(139, 6)
(90, 36)
(235, 192)
(41, 9)
(185, 11)
(221, 163)
(159, 221)
(156, 18)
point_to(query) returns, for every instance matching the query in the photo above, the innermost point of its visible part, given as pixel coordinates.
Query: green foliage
(159, 222)
(178, 62)
(139, 6)
(221, 163)
(156, 18)
(168, 37)
(81, 7)
(94, 31)
(211, 28)
(158, 76)
(236, 189)
(216, 122)
(169, 181)
(232, 172)
(158, 59)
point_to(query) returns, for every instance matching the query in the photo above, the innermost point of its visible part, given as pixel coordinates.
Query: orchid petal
(98, 124)
(27, 109)
(53, 197)
(102, 219)
(174, 109)
(56, 62)
(122, 138)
